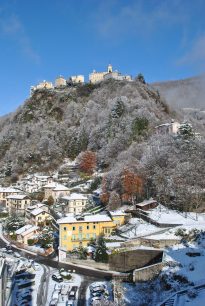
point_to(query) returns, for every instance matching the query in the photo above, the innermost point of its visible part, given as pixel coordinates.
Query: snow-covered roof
(37, 211)
(23, 229)
(32, 207)
(56, 187)
(91, 218)
(51, 185)
(75, 196)
(117, 213)
(60, 187)
(43, 177)
(9, 189)
(30, 230)
(164, 124)
(146, 202)
(17, 196)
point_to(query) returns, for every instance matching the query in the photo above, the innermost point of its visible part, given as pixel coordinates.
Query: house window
(65, 237)
(88, 236)
(80, 236)
(65, 228)
(94, 236)
(73, 228)
(88, 227)
(80, 228)
(73, 237)
(94, 227)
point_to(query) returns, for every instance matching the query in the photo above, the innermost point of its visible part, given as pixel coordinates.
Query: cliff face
(187, 93)
(54, 124)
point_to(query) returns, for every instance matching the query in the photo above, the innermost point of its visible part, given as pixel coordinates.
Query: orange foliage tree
(87, 162)
(132, 185)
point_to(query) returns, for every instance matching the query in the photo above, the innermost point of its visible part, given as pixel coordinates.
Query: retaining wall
(147, 273)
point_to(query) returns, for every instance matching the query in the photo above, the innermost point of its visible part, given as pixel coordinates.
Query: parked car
(57, 278)
(17, 255)
(72, 295)
(98, 289)
(9, 252)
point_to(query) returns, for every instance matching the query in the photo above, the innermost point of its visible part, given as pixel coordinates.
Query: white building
(168, 128)
(75, 203)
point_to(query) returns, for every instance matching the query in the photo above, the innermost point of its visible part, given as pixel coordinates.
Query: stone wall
(155, 243)
(128, 260)
(147, 273)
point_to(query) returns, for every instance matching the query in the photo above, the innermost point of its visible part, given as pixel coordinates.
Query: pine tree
(140, 78)
(101, 251)
(186, 131)
(117, 109)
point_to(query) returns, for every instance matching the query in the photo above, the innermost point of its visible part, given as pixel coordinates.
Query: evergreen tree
(140, 78)
(117, 109)
(186, 131)
(101, 251)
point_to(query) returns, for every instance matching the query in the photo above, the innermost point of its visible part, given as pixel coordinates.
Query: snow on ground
(162, 214)
(37, 271)
(185, 300)
(185, 266)
(137, 228)
(52, 285)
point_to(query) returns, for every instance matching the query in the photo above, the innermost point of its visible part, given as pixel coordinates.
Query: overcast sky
(41, 39)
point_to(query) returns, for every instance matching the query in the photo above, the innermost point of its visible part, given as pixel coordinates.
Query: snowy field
(136, 228)
(163, 215)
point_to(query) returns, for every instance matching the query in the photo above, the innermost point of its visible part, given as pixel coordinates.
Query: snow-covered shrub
(192, 293)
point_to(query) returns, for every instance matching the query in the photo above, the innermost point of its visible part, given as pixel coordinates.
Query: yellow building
(118, 217)
(77, 231)
(41, 85)
(60, 81)
(77, 79)
(96, 77)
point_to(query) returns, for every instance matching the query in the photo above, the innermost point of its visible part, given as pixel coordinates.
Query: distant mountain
(187, 93)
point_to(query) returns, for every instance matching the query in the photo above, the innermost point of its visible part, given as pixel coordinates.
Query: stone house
(7, 191)
(17, 203)
(56, 191)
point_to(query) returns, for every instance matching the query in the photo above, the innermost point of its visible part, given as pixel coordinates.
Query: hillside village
(64, 213)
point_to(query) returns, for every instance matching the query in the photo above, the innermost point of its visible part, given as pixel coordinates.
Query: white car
(17, 255)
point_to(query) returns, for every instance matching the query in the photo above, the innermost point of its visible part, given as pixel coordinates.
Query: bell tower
(109, 68)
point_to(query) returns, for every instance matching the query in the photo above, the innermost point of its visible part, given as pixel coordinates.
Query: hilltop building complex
(94, 77)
